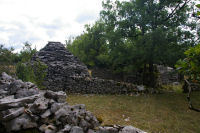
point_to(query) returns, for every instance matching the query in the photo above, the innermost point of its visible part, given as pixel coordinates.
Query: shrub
(32, 71)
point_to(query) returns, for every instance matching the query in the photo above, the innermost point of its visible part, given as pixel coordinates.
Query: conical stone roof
(62, 66)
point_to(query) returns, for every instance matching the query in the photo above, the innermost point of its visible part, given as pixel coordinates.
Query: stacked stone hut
(66, 72)
(62, 65)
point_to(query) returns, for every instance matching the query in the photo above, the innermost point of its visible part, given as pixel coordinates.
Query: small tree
(190, 67)
(40, 73)
(27, 70)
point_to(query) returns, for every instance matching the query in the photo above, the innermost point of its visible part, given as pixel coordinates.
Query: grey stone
(26, 92)
(39, 106)
(84, 124)
(13, 113)
(16, 86)
(50, 129)
(107, 130)
(20, 123)
(5, 78)
(42, 127)
(131, 129)
(46, 114)
(141, 88)
(76, 129)
(66, 129)
(91, 131)
(55, 107)
(60, 96)
(31, 85)
(8, 102)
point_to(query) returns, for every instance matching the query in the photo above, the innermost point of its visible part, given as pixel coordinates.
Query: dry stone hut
(66, 72)
(62, 65)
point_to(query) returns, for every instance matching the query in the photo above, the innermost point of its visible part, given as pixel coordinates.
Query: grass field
(160, 113)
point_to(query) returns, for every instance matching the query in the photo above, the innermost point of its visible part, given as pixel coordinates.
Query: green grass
(173, 88)
(160, 113)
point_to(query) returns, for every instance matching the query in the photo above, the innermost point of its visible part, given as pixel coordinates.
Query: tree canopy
(131, 36)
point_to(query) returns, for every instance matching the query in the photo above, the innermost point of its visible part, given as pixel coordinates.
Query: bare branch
(178, 7)
(189, 96)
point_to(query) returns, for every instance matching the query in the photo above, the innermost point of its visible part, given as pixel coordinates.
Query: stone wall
(99, 86)
(167, 75)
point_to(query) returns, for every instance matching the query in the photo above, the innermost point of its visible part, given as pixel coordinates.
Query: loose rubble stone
(20, 123)
(76, 129)
(130, 129)
(47, 111)
(59, 97)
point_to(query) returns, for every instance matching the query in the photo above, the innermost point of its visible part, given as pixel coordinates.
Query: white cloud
(40, 21)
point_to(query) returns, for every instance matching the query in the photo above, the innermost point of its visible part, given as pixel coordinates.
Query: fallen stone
(13, 113)
(59, 97)
(50, 129)
(26, 93)
(131, 129)
(76, 129)
(46, 114)
(19, 123)
(8, 103)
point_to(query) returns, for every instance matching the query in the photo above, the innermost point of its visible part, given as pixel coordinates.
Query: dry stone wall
(167, 75)
(67, 73)
(99, 86)
(22, 108)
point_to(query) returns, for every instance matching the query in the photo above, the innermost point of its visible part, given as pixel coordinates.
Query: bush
(34, 72)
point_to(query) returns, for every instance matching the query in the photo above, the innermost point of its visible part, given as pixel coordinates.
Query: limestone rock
(11, 86)
(59, 97)
(76, 129)
(19, 123)
(131, 129)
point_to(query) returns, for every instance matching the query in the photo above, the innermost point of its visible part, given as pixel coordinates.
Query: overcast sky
(40, 21)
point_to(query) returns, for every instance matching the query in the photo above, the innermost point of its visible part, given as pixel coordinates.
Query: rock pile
(17, 88)
(62, 65)
(23, 106)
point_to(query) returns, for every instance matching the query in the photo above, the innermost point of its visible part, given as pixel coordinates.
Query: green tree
(27, 52)
(190, 66)
(28, 70)
(158, 30)
(8, 59)
(91, 46)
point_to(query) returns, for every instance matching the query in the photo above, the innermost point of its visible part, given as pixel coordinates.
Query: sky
(40, 21)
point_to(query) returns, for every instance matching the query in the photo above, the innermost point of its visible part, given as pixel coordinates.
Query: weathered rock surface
(66, 73)
(47, 111)
(11, 86)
